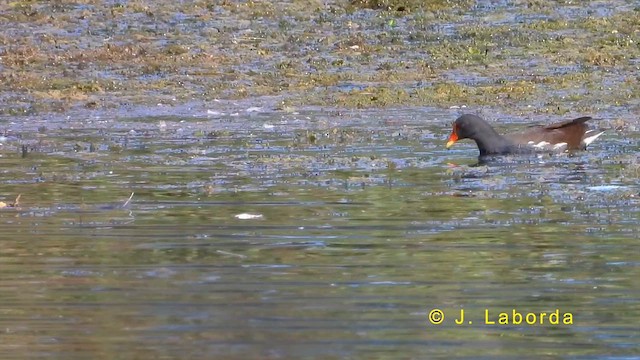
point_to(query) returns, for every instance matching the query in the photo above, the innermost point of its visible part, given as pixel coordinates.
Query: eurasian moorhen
(565, 135)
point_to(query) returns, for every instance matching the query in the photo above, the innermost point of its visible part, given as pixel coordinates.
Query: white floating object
(605, 187)
(231, 254)
(247, 216)
(215, 113)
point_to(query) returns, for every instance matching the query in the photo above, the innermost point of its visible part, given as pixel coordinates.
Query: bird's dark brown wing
(561, 124)
(570, 132)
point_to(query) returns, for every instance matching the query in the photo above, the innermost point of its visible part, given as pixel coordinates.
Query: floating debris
(231, 254)
(128, 200)
(247, 216)
(16, 203)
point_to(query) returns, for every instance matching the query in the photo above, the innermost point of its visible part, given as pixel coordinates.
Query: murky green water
(362, 224)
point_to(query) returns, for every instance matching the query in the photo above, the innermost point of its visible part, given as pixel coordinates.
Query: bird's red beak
(452, 138)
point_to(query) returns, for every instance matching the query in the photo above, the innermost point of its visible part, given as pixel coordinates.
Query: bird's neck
(490, 143)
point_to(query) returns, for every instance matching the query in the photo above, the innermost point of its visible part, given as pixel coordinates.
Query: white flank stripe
(559, 146)
(539, 145)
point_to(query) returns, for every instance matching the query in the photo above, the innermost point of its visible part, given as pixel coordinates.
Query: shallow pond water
(318, 234)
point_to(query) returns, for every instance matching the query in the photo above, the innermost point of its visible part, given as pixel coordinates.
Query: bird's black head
(467, 127)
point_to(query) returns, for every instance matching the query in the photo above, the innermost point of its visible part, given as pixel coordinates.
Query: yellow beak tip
(450, 144)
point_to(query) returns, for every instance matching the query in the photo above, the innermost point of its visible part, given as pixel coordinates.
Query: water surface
(316, 234)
